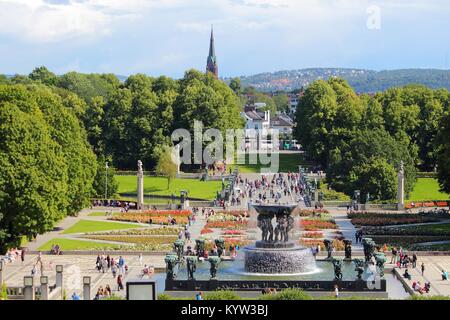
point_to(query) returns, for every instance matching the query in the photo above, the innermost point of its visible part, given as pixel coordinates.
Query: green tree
(166, 166)
(235, 85)
(43, 75)
(443, 153)
(282, 102)
(375, 177)
(105, 177)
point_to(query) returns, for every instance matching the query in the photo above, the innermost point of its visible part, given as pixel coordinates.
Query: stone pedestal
(140, 186)
(86, 292)
(44, 292)
(401, 188)
(59, 279)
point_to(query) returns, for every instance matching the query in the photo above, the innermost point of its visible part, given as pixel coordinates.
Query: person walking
(22, 255)
(336, 291)
(119, 283)
(422, 268)
(414, 260)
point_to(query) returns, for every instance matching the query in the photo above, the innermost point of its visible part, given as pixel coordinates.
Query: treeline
(133, 120)
(57, 132)
(361, 140)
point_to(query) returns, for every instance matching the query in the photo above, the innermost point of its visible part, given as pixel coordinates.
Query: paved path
(346, 227)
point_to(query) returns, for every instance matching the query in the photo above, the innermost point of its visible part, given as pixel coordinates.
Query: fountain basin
(289, 259)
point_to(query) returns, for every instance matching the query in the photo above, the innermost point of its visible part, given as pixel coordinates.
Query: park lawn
(287, 162)
(427, 189)
(102, 214)
(158, 186)
(70, 244)
(84, 226)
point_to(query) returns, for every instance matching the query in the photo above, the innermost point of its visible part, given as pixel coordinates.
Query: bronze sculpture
(171, 261)
(329, 247)
(214, 261)
(337, 264)
(191, 266)
(348, 249)
(359, 268)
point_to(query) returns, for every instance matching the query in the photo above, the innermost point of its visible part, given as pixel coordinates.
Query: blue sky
(252, 36)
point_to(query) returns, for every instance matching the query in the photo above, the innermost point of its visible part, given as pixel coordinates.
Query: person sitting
(406, 275)
(444, 275)
(427, 287)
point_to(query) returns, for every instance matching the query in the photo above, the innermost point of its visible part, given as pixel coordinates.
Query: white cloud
(50, 21)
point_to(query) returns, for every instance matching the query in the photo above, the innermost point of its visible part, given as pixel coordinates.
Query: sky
(168, 37)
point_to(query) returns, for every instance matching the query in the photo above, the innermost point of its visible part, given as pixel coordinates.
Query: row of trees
(47, 165)
(57, 132)
(361, 140)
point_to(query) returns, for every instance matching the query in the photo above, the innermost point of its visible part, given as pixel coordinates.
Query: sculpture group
(285, 223)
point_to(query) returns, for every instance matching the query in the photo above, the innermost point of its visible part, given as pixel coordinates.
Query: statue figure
(178, 247)
(279, 229)
(337, 264)
(380, 259)
(140, 170)
(359, 268)
(171, 261)
(290, 225)
(220, 243)
(369, 249)
(329, 247)
(200, 247)
(214, 261)
(348, 249)
(265, 224)
(191, 266)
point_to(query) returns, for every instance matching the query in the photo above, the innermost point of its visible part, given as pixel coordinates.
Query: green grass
(101, 214)
(83, 226)
(158, 186)
(443, 228)
(287, 162)
(427, 189)
(70, 245)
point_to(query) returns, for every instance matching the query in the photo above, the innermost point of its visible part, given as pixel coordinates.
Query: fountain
(275, 253)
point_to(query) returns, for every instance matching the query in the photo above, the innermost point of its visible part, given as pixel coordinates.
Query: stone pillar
(44, 288)
(86, 288)
(28, 288)
(140, 186)
(401, 188)
(59, 276)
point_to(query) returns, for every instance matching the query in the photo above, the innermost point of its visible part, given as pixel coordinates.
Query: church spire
(211, 65)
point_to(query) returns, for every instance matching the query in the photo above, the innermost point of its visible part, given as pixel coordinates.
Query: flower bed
(222, 217)
(226, 224)
(233, 232)
(338, 244)
(384, 219)
(309, 213)
(236, 213)
(148, 218)
(172, 213)
(206, 231)
(316, 224)
(313, 235)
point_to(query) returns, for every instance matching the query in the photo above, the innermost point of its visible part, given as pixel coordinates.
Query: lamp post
(106, 180)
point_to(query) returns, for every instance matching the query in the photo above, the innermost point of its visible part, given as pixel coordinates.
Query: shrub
(3, 293)
(288, 294)
(222, 295)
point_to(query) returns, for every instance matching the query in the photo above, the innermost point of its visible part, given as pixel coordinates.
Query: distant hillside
(363, 81)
